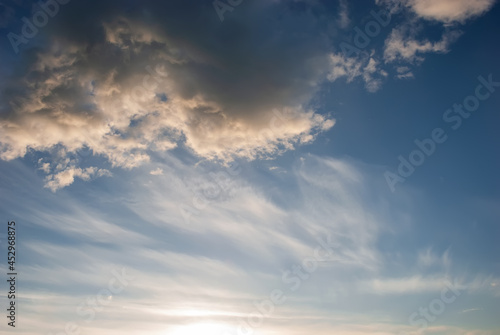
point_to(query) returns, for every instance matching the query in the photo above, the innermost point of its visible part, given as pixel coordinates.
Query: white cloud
(427, 258)
(229, 255)
(156, 172)
(408, 75)
(367, 68)
(408, 285)
(450, 10)
(445, 11)
(404, 72)
(402, 45)
(67, 176)
(471, 310)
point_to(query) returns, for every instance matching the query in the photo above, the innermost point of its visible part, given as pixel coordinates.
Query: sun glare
(206, 328)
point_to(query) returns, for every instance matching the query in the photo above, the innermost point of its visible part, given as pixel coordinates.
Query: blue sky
(230, 167)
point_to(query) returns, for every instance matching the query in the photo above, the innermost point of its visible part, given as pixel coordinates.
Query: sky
(238, 167)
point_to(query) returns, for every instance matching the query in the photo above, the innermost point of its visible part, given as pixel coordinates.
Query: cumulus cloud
(405, 43)
(446, 11)
(67, 176)
(126, 84)
(156, 172)
(123, 84)
(450, 10)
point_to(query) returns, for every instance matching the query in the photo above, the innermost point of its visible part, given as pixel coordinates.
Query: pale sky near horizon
(262, 167)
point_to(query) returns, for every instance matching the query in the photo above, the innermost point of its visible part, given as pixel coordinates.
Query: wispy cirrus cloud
(232, 253)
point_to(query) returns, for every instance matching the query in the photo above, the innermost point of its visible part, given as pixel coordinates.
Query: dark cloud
(95, 74)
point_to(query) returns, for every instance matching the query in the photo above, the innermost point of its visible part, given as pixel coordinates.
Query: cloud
(409, 285)
(343, 18)
(404, 72)
(67, 176)
(141, 82)
(405, 43)
(156, 172)
(201, 201)
(427, 258)
(402, 45)
(471, 310)
(450, 10)
(488, 284)
(230, 255)
(366, 68)
(125, 84)
(445, 11)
